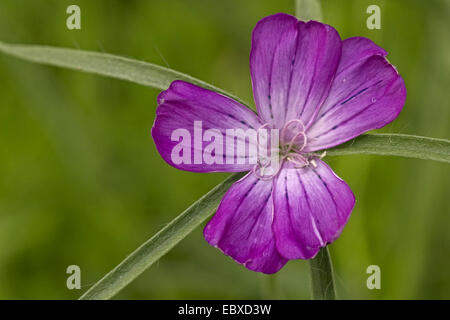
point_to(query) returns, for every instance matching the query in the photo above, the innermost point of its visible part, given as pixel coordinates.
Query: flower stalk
(322, 280)
(308, 10)
(321, 267)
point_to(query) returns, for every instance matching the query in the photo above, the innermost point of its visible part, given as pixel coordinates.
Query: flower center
(292, 142)
(293, 138)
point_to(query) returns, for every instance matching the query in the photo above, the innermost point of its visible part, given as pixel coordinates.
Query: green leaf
(401, 145)
(105, 64)
(322, 281)
(308, 10)
(158, 245)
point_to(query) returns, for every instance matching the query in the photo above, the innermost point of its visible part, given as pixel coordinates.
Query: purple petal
(367, 93)
(242, 226)
(312, 206)
(292, 65)
(266, 37)
(357, 49)
(181, 107)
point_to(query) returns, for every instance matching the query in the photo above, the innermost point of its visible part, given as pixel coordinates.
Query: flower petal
(357, 49)
(292, 65)
(311, 207)
(266, 38)
(185, 112)
(367, 93)
(242, 226)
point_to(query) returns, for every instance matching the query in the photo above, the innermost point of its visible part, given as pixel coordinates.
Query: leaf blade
(106, 64)
(401, 145)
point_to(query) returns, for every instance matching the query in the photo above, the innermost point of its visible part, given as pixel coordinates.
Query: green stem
(308, 10)
(322, 279)
(321, 268)
(270, 287)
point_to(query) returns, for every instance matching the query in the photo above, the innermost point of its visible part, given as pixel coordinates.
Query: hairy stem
(322, 279)
(308, 10)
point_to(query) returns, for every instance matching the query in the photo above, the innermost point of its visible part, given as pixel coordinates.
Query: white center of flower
(292, 142)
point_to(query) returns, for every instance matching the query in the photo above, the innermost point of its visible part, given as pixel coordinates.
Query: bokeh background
(82, 183)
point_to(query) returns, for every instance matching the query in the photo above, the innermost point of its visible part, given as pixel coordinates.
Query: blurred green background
(82, 183)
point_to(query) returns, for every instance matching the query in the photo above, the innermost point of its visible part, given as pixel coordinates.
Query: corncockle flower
(313, 91)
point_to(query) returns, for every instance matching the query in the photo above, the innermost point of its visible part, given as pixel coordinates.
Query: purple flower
(319, 91)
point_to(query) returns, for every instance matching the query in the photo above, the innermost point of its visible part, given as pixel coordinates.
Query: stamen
(298, 160)
(291, 151)
(291, 143)
(258, 171)
(286, 126)
(317, 155)
(258, 132)
(267, 158)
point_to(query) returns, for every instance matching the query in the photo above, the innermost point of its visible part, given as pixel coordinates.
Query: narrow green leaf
(308, 10)
(157, 246)
(401, 145)
(322, 281)
(105, 64)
